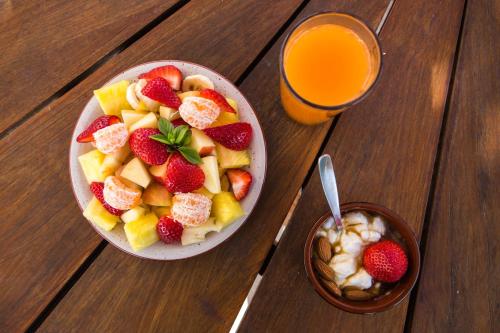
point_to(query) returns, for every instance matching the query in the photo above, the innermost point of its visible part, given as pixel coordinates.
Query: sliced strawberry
(235, 136)
(97, 189)
(217, 99)
(240, 182)
(169, 230)
(159, 89)
(99, 123)
(183, 176)
(150, 151)
(170, 73)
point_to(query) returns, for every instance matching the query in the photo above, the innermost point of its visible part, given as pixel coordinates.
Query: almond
(331, 287)
(324, 249)
(323, 269)
(357, 295)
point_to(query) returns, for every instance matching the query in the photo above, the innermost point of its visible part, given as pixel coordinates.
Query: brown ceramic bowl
(398, 291)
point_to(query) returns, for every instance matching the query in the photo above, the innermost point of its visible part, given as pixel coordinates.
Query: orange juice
(327, 65)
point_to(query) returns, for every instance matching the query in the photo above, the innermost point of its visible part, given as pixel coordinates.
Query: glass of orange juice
(329, 62)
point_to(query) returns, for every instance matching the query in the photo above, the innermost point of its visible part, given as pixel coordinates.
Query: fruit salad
(363, 260)
(169, 161)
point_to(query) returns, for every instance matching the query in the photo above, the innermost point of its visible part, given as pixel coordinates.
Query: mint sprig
(177, 139)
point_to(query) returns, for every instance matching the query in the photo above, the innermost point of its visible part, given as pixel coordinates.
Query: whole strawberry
(99, 123)
(235, 136)
(385, 261)
(183, 176)
(218, 99)
(150, 151)
(97, 189)
(159, 89)
(169, 230)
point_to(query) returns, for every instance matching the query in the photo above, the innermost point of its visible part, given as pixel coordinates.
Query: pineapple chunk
(133, 214)
(169, 113)
(91, 165)
(233, 103)
(141, 233)
(113, 161)
(161, 211)
(148, 121)
(211, 171)
(191, 235)
(225, 118)
(132, 116)
(231, 159)
(205, 192)
(113, 98)
(142, 106)
(226, 209)
(136, 172)
(99, 216)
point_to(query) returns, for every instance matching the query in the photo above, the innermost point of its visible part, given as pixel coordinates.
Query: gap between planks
(99, 63)
(437, 163)
(267, 260)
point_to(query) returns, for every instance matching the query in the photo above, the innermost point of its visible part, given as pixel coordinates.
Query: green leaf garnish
(177, 139)
(190, 154)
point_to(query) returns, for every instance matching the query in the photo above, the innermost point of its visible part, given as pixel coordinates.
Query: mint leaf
(181, 134)
(165, 126)
(160, 138)
(190, 154)
(187, 138)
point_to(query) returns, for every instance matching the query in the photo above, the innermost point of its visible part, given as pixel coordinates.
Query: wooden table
(425, 143)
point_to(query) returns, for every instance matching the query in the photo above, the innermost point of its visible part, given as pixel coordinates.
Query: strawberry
(179, 122)
(99, 123)
(169, 230)
(385, 261)
(217, 99)
(159, 89)
(97, 189)
(240, 182)
(170, 73)
(183, 176)
(150, 151)
(235, 136)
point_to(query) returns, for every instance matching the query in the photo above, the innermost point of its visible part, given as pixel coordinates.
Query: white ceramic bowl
(161, 251)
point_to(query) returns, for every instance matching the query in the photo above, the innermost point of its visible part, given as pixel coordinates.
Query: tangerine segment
(199, 112)
(191, 209)
(120, 196)
(111, 138)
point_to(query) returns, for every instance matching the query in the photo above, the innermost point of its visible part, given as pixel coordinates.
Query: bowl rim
(384, 303)
(104, 238)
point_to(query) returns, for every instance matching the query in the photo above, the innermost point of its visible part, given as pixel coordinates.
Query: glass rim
(348, 103)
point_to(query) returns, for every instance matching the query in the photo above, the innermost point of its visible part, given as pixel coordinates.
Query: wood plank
(383, 152)
(52, 42)
(459, 289)
(205, 293)
(44, 238)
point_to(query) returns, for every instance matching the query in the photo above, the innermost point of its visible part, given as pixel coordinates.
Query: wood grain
(459, 290)
(383, 152)
(205, 293)
(43, 237)
(45, 44)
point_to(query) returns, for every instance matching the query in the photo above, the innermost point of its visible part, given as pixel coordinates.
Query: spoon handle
(329, 183)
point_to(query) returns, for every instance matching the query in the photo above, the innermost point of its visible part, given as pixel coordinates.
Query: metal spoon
(330, 188)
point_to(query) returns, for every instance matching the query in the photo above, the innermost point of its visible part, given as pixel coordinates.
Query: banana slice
(132, 97)
(152, 105)
(196, 82)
